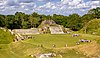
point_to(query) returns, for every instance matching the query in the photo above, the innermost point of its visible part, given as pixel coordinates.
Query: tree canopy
(95, 12)
(23, 21)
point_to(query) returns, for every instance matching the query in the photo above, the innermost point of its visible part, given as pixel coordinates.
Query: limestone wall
(56, 30)
(26, 31)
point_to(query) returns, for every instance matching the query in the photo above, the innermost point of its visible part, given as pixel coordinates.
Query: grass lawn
(60, 40)
(22, 49)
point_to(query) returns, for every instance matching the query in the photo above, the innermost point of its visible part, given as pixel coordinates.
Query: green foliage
(95, 12)
(24, 21)
(5, 37)
(2, 20)
(92, 26)
(86, 18)
(60, 19)
(74, 22)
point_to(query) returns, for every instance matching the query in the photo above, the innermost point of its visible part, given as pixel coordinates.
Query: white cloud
(47, 6)
(65, 1)
(75, 2)
(53, 7)
(2, 1)
(93, 4)
(63, 7)
(67, 6)
(83, 5)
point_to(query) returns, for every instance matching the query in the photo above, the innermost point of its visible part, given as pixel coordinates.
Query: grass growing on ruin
(91, 27)
(5, 37)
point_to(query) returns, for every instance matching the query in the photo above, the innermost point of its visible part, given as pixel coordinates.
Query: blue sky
(63, 7)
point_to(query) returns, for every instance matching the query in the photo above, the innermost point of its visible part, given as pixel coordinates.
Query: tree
(74, 22)
(95, 12)
(21, 19)
(33, 21)
(86, 18)
(2, 20)
(60, 19)
(10, 21)
(34, 14)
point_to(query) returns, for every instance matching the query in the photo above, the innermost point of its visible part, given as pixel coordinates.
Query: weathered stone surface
(56, 30)
(26, 31)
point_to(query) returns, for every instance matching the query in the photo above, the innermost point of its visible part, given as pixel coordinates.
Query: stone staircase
(56, 29)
